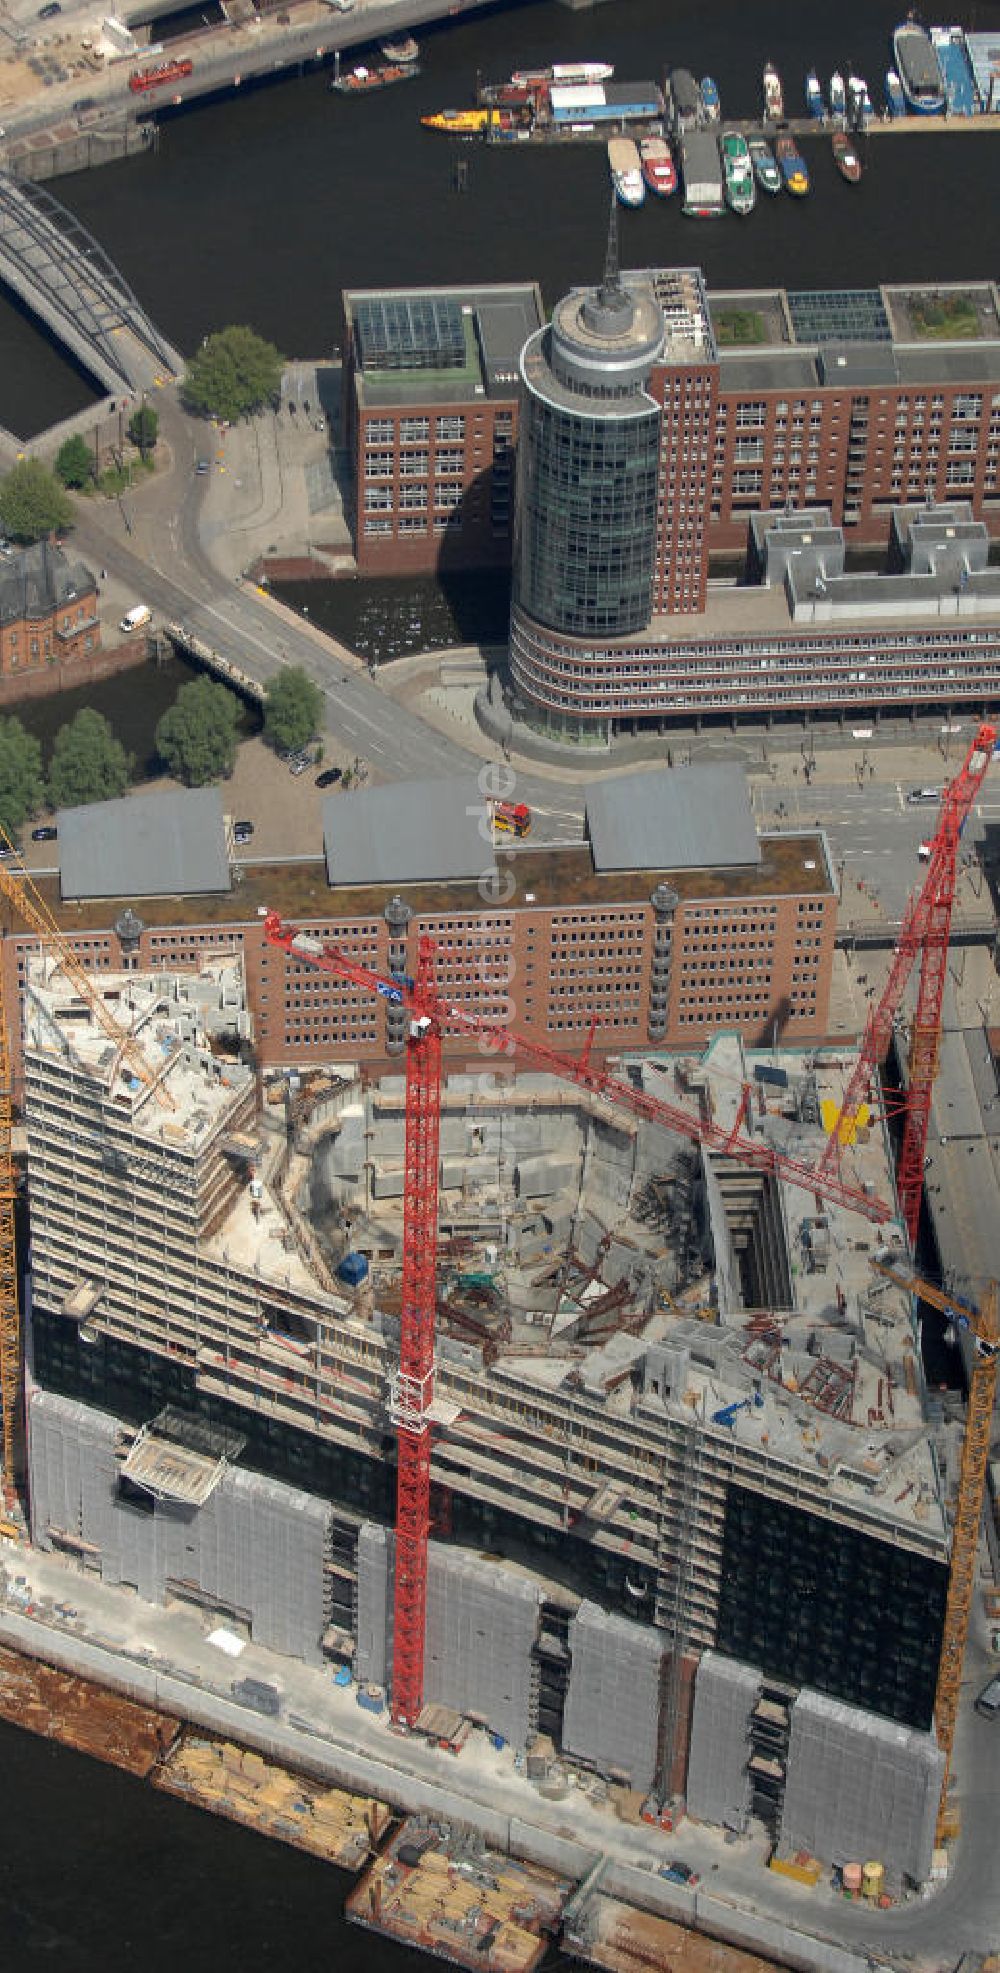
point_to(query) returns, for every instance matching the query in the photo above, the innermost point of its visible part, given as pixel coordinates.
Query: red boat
(157, 78)
(845, 156)
(359, 81)
(658, 167)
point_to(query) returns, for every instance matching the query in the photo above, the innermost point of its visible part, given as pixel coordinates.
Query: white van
(136, 618)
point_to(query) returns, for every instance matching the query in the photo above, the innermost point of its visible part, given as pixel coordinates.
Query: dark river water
(261, 209)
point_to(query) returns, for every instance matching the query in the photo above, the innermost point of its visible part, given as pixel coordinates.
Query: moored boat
(846, 156)
(815, 101)
(658, 167)
(859, 103)
(362, 80)
(710, 99)
(463, 123)
(838, 94)
(895, 101)
(792, 166)
(626, 171)
(701, 171)
(404, 51)
(765, 169)
(774, 95)
(738, 173)
(918, 68)
(567, 75)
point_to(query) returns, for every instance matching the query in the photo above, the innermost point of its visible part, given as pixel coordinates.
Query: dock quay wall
(55, 678)
(341, 1764)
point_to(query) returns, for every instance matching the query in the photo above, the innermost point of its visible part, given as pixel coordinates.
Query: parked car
(203, 466)
(329, 777)
(677, 1872)
(85, 103)
(242, 832)
(988, 1702)
(50, 10)
(298, 764)
(46, 834)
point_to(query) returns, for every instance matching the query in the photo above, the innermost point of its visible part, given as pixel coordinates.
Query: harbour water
(263, 206)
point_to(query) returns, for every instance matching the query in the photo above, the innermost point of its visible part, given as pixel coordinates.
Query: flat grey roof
(410, 833)
(858, 363)
(770, 369)
(144, 846)
(681, 818)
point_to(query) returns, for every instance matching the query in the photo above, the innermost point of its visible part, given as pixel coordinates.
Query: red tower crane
(429, 1017)
(926, 929)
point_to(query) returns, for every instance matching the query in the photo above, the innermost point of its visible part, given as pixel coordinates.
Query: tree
(88, 763)
(75, 462)
(197, 737)
(143, 428)
(21, 786)
(294, 705)
(234, 373)
(32, 502)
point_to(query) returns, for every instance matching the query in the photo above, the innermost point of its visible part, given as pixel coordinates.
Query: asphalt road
(162, 559)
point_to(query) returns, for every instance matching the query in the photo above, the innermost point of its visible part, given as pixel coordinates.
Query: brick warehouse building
(431, 392)
(665, 956)
(836, 399)
(48, 610)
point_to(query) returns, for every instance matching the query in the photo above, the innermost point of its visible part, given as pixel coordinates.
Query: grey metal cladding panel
(372, 1641)
(972, 363)
(683, 818)
(718, 1783)
(612, 1705)
(411, 832)
(146, 846)
(858, 1786)
(481, 1624)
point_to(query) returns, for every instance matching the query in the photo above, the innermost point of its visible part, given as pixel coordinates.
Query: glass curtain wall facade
(586, 530)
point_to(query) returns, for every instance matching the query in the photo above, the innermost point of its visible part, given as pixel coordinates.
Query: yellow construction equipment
(984, 1327)
(17, 887)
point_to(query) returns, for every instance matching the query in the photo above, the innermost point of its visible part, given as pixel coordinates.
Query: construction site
(571, 1401)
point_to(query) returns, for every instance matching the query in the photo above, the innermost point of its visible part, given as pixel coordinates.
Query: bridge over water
(63, 275)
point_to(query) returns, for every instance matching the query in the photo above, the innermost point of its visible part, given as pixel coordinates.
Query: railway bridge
(62, 274)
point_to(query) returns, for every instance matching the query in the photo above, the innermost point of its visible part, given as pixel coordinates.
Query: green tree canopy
(197, 737)
(294, 706)
(21, 785)
(75, 462)
(234, 373)
(88, 763)
(144, 427)
(32, 502)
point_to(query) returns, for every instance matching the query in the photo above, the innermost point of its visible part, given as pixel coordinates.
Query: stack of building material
(718, 1781)
(613, 1701)
(860, 1787)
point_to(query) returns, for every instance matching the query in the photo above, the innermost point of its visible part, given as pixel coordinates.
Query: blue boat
(815, 101)
(710, 99)
(918, 68)
(895, 101)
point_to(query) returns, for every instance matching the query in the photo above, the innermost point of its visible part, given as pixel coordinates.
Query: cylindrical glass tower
(585, 534)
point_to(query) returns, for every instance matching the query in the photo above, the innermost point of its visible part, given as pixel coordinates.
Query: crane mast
(412, 1398)
(925, 931)
(984, 1325)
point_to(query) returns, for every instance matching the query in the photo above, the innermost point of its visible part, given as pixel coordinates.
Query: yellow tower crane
(983, 1325)
(28, 904)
